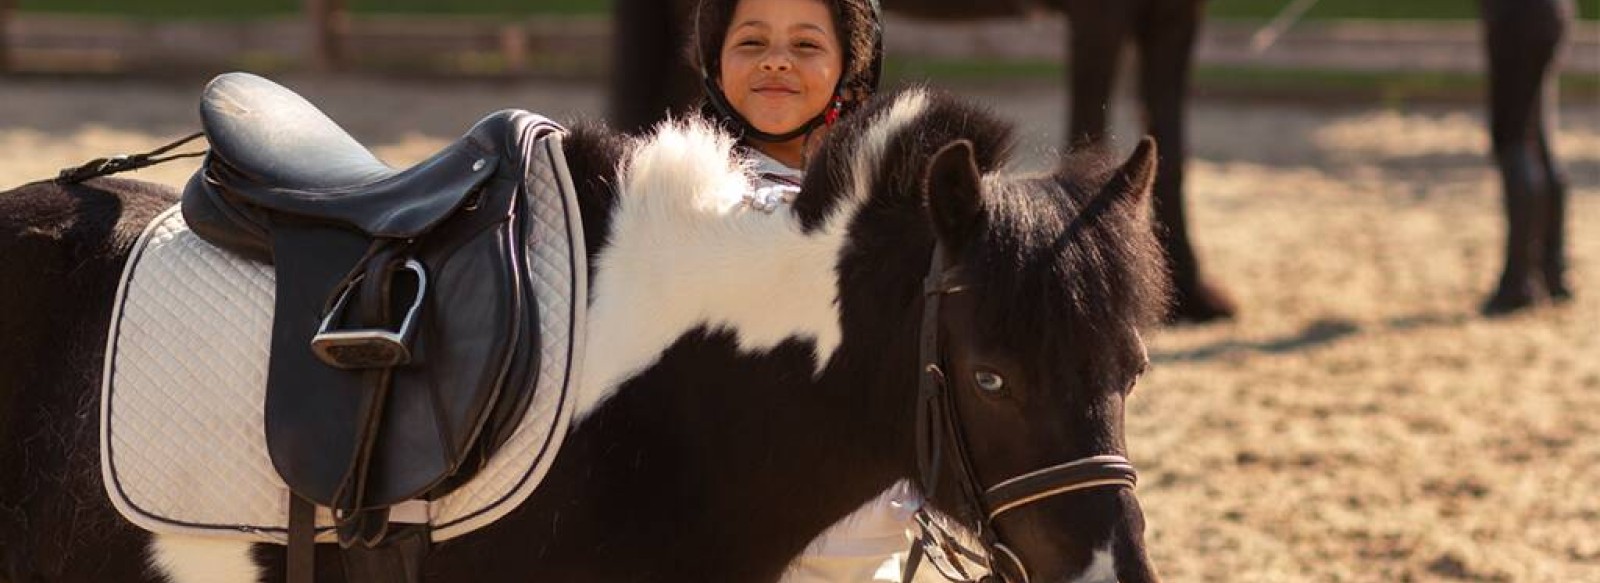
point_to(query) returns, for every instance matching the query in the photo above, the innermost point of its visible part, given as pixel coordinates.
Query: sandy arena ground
(1359, 422)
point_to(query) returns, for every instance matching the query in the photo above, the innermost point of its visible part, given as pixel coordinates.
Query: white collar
(765, 164)
(775, 183)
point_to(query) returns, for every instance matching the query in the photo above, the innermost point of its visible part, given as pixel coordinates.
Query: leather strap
(302, 562)
(931, 382)
(1094, 472)
(356, 525)
(118, 164)
(913, 560)
(397, 560)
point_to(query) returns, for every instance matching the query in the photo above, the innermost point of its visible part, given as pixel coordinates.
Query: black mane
(1084, 259)
(594, 153)
(1075, 246)
(944, 119)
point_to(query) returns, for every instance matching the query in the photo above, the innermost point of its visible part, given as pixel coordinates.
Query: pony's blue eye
(988, 381)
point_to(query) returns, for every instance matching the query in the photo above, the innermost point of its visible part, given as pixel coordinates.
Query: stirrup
(369, 347)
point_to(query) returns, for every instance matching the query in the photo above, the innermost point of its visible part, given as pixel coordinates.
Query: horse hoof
(1559, 292)
(1506, 302)
(1204, 303)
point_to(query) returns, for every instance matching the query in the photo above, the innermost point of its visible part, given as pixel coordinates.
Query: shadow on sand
(1318, 333)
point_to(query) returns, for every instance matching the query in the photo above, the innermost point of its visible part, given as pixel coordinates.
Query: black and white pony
(752, 378)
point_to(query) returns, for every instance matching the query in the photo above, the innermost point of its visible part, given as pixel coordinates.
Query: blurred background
(1343, 46)
(1358, 421)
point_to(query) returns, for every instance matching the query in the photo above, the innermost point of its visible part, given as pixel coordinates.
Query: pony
(751, 378)
(649, 80)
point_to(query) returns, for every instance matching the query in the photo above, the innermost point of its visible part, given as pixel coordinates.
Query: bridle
(937, 421)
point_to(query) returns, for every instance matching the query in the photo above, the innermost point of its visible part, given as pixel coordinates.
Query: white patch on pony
(183, 559)
(1102, 568)
(682, 232)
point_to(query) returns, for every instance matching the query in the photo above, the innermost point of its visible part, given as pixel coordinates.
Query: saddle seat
(405, 331)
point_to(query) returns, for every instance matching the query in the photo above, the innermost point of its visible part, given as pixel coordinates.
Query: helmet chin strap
(720, 101)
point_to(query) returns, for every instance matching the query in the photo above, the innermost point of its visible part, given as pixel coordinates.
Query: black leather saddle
(404, 347)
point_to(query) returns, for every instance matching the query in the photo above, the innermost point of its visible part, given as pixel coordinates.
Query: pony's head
(1037, 287)
(1049, 280)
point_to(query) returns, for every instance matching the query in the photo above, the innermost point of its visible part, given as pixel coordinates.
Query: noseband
(938, 421)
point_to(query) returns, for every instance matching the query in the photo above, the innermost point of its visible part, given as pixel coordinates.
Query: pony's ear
(953, 186)
(1131, 183)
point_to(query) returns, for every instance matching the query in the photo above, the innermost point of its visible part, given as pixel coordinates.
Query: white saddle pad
(183, 439)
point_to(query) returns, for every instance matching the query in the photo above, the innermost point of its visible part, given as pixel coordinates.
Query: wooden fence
(7, 8)
(47, 42)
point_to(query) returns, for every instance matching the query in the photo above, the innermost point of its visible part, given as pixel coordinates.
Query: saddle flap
(356, 439)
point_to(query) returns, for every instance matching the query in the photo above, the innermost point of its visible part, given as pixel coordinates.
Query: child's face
(781, 60)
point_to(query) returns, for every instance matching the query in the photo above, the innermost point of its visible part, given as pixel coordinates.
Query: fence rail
(78, 43)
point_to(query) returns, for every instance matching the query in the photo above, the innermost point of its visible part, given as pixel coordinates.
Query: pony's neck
(719, 465)
(715, 447)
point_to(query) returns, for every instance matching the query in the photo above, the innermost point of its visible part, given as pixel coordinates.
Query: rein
(99, 167)
(938, 421)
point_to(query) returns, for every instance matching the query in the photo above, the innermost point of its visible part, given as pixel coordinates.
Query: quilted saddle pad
(183, 442)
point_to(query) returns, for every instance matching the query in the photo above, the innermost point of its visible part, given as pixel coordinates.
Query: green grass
(1242, 9)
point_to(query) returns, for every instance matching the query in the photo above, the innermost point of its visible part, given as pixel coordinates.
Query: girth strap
(302, 563)
(398, 560)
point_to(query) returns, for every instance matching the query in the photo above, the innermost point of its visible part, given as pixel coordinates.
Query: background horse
(650, 78)
(713, 440)
(1524, 38)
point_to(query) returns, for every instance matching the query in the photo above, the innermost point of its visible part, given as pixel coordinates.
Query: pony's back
(61, 250)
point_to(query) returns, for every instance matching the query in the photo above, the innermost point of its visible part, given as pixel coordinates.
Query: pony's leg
(1098, 33)
(648, 75)
(1165, 36)
(1521, 45)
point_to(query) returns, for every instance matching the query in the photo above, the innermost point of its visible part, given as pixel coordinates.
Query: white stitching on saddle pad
(183, 443)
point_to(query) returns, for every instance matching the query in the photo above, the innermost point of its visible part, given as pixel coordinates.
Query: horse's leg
(1521, 37)
(1555, 223)
(1098, 33)
(1165, 36)
(648, 75)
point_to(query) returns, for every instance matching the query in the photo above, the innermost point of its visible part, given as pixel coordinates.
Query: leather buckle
(369, 347)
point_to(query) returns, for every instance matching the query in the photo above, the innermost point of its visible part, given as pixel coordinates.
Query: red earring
(833, 112)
